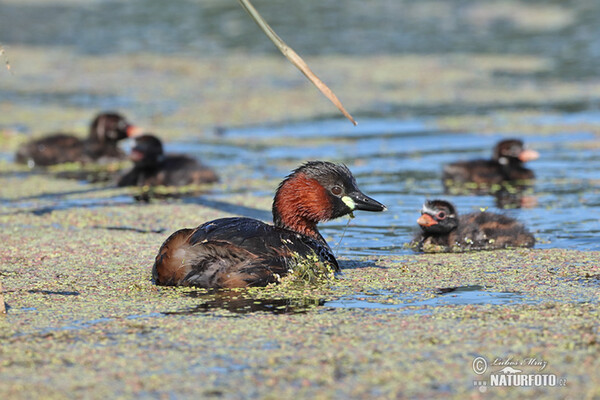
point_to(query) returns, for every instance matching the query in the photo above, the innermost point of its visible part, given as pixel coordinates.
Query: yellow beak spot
(349, 202)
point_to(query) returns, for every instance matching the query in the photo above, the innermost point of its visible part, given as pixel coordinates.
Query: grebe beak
(426, 220)
(133, 131)
(360, 201)
(529, 155)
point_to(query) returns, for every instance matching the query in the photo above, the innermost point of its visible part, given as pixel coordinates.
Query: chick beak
(360, 201)
(426, 220)
(133, 131)
(528, 155)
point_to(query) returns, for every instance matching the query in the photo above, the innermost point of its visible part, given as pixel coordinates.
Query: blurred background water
(564, 32)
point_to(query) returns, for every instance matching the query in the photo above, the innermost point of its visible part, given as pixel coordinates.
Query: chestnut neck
(300, 203)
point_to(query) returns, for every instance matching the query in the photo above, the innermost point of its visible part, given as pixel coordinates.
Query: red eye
(336, 190)
(441, 215)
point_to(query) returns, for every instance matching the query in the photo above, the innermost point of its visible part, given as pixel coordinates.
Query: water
(462, 295)
(399, 163)
(397, 160)
(566, 34)
(237, 303)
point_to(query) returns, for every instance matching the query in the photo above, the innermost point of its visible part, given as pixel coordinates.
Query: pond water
(399, 162)
(462, 295)
(376, 300)
(566, 34)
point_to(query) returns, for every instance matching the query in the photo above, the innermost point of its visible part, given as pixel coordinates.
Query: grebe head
(111, 127)
(438, 216)
(318, 191)
(513, 150)
(147, 152)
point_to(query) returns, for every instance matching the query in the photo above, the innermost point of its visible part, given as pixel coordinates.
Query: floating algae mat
(444, 82)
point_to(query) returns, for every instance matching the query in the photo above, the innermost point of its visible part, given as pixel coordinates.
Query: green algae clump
(309, 270)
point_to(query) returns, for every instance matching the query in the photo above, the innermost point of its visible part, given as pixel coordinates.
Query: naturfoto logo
(511, 371)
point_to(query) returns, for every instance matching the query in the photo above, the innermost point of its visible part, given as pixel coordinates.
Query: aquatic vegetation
(83, 318)
(309, 270)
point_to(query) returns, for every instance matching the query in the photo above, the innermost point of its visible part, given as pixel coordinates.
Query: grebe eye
(336, 190)
(441, 215)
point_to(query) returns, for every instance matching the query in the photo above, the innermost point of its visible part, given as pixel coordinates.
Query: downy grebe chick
(240, 252)
(101, 144)
(505, 165)
(442, 230)
(153, 168)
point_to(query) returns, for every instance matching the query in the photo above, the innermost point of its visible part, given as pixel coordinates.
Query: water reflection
(461, 295)
(238, 302)
(506, 195)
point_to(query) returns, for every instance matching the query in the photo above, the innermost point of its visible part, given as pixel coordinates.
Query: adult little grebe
(443, 231)
(240, 252)
(105, 131)
(152, 167)
(505, 165)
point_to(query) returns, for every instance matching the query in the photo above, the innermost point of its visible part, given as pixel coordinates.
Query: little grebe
(101, 144)
(443, 231)
(240, 252)
(152, 167)
(505, 165)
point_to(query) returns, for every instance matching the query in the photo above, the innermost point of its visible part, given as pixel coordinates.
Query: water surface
(399, 162)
